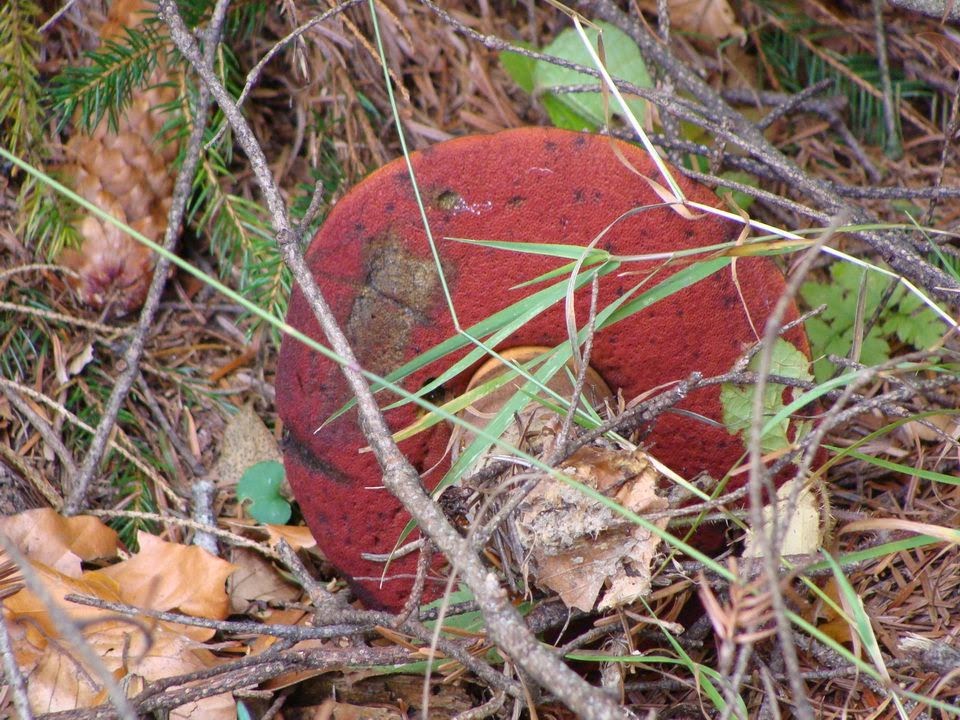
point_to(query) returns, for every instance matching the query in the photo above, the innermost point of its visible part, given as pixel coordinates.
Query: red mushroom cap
(374, 265)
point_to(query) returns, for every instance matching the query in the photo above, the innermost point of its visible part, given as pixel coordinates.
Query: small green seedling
(261, 485)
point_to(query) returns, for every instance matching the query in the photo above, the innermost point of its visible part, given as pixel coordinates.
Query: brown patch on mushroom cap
(374, 265)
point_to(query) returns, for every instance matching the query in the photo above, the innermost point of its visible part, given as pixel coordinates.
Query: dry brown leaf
(59, 542)
(54, 683)
(711, 18)
(39, 627)
(162, 576)
(256, 579)
(168, 576)
(246, 442)
(804, 533)
(298, 537)
(835, 625)
(578, 545)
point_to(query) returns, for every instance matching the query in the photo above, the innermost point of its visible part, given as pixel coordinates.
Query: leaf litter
(908, 591)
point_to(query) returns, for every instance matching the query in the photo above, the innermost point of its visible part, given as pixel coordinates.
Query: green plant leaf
(737, 401)
(740, 199)
(261, 485)
(520, 68)
(565, 117)
(905, 317)
(623, 60)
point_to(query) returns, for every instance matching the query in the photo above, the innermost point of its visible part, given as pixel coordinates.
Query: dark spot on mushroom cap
(447, 200)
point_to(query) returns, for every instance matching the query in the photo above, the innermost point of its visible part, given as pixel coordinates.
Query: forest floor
(108, 496)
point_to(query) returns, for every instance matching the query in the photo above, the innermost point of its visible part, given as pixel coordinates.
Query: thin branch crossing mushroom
(373, 261)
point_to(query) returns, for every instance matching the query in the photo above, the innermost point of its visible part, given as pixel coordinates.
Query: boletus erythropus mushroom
(375, 267)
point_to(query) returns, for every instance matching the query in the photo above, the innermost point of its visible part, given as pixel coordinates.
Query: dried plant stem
(61, 318)
(759, 481)
(12, 674)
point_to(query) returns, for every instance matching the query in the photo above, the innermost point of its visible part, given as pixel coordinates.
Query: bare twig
(427, 551)
(203, 492)
(14, 677)
(61, 318)
(759, 481)
(251, 671)
(793, 102)
(893, 147)
(321, 598)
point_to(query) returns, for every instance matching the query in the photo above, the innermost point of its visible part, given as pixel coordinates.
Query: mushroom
(373, 262)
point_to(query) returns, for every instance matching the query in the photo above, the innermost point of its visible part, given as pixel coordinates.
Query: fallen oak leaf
(167, 576)
(134, 653)
(298, 537)
(256, 580)
(28, 607)
(62, 543)
(56, 685)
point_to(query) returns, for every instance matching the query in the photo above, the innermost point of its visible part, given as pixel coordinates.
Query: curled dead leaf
(806, 523)
(169, 576)
(577, 544)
